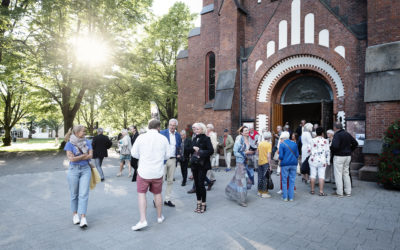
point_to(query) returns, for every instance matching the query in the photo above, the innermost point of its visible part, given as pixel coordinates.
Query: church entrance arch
(302, 94)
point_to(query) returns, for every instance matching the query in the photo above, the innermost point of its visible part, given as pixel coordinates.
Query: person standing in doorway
(174, 140)
(151, 149)
(134, 161)
(343, 144)
(100, 145)
(228, 147)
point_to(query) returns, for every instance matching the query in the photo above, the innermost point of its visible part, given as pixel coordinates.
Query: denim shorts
(125, 157)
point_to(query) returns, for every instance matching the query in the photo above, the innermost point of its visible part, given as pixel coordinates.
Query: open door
(327, 114)
(277, 116)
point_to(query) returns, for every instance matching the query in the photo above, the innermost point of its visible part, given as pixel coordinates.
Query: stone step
(368, 173)
(356, 165)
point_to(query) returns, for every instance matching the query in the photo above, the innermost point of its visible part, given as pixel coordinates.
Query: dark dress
(199, 171)
(185, 154)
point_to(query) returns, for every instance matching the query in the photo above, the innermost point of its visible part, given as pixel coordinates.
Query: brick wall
(380, 116)
(383, 21)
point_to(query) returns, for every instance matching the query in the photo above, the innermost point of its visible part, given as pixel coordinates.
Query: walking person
(125, 147)
(134, 161)
(228, 147)
(306, 142)
(100, 144)
(264, 158)
(151, 149)
(319, 160)
(237, 187)
(200, 163)
(184, 156)
(174, 140)
(343, 144)
(288, 154)
(79, 152)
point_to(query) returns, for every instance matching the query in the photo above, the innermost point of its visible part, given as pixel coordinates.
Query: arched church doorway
(302, 94)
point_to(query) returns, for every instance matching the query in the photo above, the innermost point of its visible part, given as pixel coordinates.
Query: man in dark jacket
(342, 146)
(100, 145)
(134, 161)
(184, 155)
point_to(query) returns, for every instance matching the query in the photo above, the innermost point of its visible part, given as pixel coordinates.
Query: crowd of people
(152, 157)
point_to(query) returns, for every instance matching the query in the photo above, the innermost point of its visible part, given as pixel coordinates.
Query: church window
(210, 76)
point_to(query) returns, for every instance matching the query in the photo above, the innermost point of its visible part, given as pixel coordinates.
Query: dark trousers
(134, 164)
(199, 176)
(184, 169)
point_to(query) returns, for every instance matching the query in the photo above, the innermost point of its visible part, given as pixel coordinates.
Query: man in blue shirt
(174, 139)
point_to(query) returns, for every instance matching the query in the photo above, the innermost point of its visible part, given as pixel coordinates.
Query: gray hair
(154, 124)
(338, 125)
(124, 132)
(77, 129)
(173, 120)
(308, 127)
(202, 126)
(183, 132)
(211, 126)
(330, 132)
(267, 136)
(100, 130)
(285, 135)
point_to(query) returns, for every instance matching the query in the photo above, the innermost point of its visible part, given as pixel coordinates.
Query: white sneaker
(161, 219)
(279, 192)
(139, 225)
(75, 219)
(83, 222)
(266, 196)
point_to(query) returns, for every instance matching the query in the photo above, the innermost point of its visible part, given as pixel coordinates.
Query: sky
(160, 7)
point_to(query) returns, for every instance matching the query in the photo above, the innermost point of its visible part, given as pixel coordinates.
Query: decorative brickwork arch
(297, 62)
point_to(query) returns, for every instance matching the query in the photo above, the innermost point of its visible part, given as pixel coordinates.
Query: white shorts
(320, 169)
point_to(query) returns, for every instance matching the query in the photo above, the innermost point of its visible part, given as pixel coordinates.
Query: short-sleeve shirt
(263, 149)
(73, 149)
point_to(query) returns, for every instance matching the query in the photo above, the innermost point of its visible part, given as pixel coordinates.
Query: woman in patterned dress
(319, 160)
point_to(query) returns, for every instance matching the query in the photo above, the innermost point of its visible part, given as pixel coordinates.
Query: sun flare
(91, 51)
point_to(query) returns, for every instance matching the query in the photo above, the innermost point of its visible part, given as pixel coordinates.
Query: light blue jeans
(291, 172)
(98, 162)
(79, 180)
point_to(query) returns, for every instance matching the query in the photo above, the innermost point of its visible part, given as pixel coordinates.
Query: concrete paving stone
(377, 245)
(316, 246)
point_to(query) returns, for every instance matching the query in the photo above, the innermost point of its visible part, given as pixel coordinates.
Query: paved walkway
(34, 214)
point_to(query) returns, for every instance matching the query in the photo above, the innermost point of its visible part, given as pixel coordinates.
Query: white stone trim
(270, 48)
(341, 51)
(324, 38)
(295, 22)
(298, 61)
(309, 28)
(342, 115)
(258, 64)
(283, 34)
(262, 122)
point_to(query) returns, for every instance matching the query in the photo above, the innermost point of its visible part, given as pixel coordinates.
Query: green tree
(154, 59)
(65, 25)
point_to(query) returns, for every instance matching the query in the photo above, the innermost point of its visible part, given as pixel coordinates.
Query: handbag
(270, 183)
(196, 161)
(276, 156)
(305, 166)
(95, 178)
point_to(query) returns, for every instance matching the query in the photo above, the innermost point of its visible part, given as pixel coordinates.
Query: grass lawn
(32, 145)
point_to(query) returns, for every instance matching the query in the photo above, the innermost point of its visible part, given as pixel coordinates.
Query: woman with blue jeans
(288, 154)
(79, 152)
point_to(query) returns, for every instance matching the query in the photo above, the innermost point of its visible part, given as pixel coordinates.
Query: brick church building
(268, 62)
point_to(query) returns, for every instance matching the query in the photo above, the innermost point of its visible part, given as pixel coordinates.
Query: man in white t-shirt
(152, 149)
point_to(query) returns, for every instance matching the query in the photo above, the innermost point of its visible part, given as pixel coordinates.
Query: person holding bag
(79, 152)
(306, 140)
(201, 151)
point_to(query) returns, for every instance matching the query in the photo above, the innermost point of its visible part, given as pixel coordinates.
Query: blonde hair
(308, 127)
(75, 130)
(202, 126)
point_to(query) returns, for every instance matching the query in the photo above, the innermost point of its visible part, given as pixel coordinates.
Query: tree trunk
(7, 136)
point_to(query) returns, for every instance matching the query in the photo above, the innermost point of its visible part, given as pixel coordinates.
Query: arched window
(210, 76)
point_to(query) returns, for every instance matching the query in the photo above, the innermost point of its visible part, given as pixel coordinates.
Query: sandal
(203, 207)
(119, 174)
(323, 194)
(198, 208)
(312, 192)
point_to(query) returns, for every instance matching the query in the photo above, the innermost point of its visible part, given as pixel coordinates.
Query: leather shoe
(191, 191)
(183, 184)
(169, 204)
(210, 185)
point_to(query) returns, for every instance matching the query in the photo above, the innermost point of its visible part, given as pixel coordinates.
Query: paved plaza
(35, 214)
